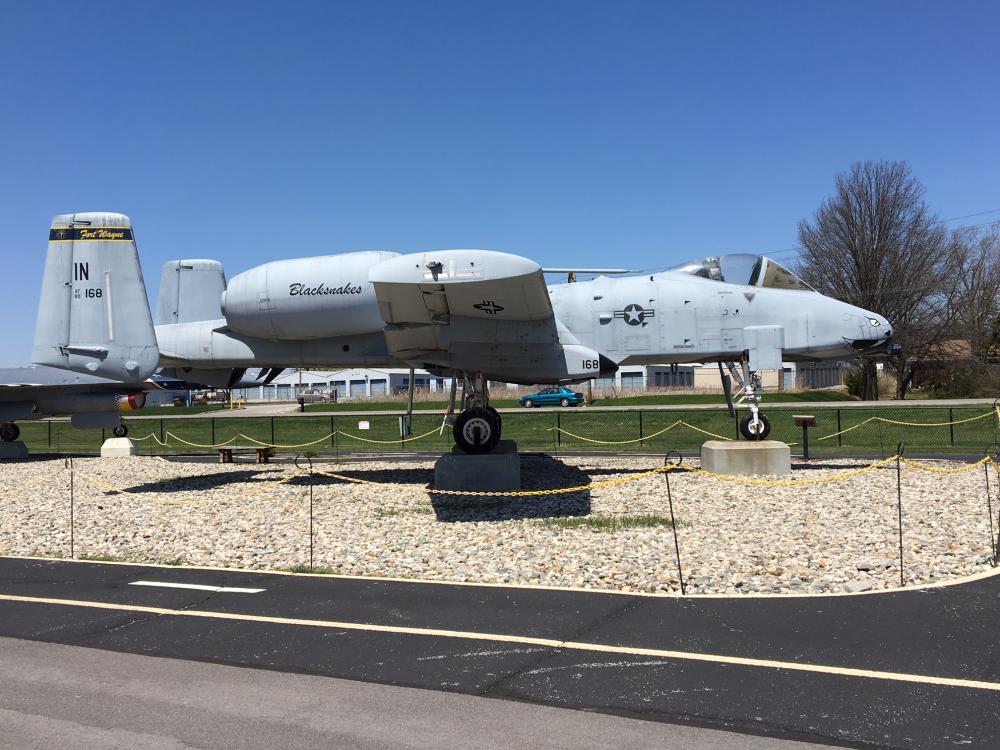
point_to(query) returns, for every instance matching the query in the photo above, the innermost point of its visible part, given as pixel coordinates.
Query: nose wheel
(755, 427)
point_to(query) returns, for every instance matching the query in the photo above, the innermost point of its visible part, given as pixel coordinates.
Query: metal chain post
(670, 502)
(899, 503)
(68, 463)
(309, 459)
(989, 510)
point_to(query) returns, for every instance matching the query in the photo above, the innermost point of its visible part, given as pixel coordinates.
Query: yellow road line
(524, 640)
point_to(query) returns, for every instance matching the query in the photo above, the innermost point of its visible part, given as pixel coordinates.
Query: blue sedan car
(555, 395)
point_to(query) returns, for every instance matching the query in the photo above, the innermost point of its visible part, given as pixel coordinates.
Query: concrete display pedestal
(746, 457)
(496, 471)
(13, 449)
(119, 448)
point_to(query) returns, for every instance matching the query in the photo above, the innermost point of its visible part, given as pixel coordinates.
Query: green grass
(609, 524)
(646, 400)
(165, 410)
(533, 431)
(318, 570)
(101, 558)
(663, 399)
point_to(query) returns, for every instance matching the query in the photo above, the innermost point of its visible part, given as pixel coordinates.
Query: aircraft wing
(27, 392)
(478, 310)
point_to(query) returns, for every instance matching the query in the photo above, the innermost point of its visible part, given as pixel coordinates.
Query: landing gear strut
(477, 428)
(754, 426)
(9, 432)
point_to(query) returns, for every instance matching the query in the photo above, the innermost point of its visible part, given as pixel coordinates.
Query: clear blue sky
(617, 133)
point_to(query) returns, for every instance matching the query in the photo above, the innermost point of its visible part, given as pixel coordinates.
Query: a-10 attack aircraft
(477, 315)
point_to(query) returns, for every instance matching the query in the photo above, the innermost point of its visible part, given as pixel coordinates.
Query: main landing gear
(9, 432)
(754, 426)
(121, 430)
(477, 428)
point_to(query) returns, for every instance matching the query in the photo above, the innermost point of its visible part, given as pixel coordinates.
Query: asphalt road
(909, 669)
(67, 696)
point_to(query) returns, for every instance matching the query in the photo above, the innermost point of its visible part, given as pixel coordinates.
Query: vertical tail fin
(93, 315)
(190, 290)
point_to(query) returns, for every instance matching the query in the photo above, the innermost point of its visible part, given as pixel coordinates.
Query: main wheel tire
(120, 431)
(476, 431)
(564, 402)
(763, 428)
(528, 403)
(496, 418)
(9, 432)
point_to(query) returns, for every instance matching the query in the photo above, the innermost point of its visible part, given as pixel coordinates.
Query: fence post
(49, 423)
(640, 429)
(989, 507)
(899, 504)
(951, 426)
(212, 420)
(558, 435)
(68, 462)
(307, 458)
(839, 428)
(333, 434)
(272, 430)
(670, 502)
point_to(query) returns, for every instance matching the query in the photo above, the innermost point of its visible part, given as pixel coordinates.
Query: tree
(975, 258)
(875, 243)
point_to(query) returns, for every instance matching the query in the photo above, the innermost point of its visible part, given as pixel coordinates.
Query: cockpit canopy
(744, 268)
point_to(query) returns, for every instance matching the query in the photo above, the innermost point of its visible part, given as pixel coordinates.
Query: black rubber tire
(764, 431)
(496, 417)
(528, 403)
(9, 432)
(475, 425)
(565, 402)
(121, 430)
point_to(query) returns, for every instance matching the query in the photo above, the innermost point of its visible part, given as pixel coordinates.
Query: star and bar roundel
(635, 315)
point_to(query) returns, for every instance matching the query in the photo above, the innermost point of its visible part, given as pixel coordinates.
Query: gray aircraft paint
(190, 290)
(475, 310)
(35, 392)
(93, 314)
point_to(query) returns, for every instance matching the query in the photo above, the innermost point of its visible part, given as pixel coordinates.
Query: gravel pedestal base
(496, 471)
(13, 449)
(746, 458)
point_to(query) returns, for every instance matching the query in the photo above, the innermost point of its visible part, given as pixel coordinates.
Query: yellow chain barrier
(263, 444)
(939, 470)
(387, 442)
(650, 436)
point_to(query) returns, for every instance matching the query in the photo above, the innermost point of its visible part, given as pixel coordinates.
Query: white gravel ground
(734, 538)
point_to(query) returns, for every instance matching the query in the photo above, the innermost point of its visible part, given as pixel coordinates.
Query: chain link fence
(875, 430)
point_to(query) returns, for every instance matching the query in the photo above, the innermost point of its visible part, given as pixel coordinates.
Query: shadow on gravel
(387, 477)
(201, 481)
(538, 472)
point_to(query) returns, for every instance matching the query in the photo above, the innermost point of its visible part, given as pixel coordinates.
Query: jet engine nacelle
(305, 298)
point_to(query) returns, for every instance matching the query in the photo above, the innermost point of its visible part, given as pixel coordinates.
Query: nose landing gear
(754, 426)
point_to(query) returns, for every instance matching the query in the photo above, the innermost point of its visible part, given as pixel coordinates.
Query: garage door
(632, 380)
(378, 387)
(358, 388)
